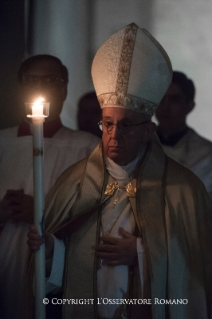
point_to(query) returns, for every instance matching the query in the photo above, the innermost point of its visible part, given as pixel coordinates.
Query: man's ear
(21, 95)
(21, 110)
(149, 131)
(19, 90)
(190, 106)
(65, 90)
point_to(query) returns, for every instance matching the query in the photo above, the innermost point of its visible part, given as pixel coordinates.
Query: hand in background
(16, 206)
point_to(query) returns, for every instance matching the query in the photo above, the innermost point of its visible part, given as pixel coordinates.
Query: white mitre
(131, 70)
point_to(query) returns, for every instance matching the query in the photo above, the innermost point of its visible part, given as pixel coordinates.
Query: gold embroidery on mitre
(131, 191)
(126, 58)
(127, 101)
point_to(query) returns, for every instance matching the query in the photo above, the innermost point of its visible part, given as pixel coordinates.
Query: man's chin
(116, 156)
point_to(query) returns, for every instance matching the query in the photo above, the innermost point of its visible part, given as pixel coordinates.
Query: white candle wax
(37, 110)
(39, 286)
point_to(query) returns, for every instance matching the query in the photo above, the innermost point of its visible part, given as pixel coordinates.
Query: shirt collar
(173, 139)
(49, 128)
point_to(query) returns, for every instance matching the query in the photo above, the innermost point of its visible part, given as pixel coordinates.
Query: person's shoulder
(86, 137)
(181, 177)
(196, 138)
(9, 132)
(185, 193)
(76, 169)
(72, 174)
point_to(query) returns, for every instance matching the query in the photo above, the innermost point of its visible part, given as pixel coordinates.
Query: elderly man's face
(35, 83)
(123, 148)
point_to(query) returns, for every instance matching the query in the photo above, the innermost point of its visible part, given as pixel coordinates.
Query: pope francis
(136, 226)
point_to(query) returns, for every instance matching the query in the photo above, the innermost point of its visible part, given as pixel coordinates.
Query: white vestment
(112, 282)
(65, 148)
(194, 152)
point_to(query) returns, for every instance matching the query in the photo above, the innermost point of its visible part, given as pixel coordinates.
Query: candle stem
(38, 215)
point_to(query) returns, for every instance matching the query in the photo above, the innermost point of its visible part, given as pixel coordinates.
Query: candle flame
(39, 100)
(37, 108)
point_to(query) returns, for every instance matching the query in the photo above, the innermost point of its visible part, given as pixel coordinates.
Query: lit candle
(36, 111)
(37, 108)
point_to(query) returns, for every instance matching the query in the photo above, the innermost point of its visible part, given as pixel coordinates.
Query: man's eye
(108, 124)
(50, 79)
(125, 125)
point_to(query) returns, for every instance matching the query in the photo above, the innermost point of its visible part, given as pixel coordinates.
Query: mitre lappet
(131, 70)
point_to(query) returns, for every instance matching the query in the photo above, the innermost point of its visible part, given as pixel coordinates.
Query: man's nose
(40, 84)
(39, 87)
(115, 132)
